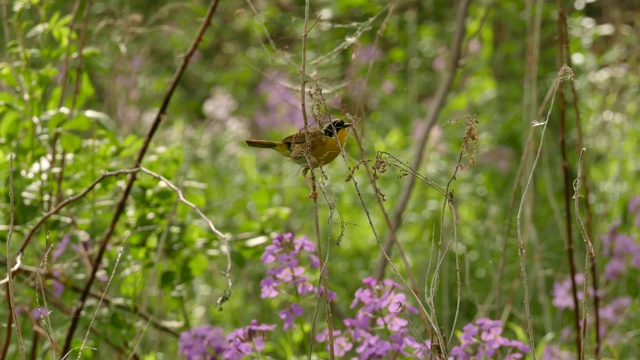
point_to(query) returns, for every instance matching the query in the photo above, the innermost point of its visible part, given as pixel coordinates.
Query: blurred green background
(82, 82)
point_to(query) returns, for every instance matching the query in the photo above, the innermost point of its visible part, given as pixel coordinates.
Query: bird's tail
(261, 144)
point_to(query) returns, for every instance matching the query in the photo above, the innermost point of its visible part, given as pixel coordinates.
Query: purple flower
(362, 295)
(373, 347)
(520, 346)
(368, 53)
(562, 294)
(62, 246)
(553, 352)
(241, 342)
(371, 282)
(612, 312)
(341, 345)
(303, 244)
(383, 305)
(40, 312)
(392, 322)
(324, 335)
(285, 255)
(614, 268)
(58, 287)
(332, 295)
(487, 324)
(282, 106)
(293, 311)
(269, 290)
(513, 356)
(238, 349)
(422, 350)
(315, 262)
(204, 342)
(622, 247)
(483, 339)
(624, 244)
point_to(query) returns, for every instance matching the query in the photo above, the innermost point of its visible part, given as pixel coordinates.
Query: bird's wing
(300, 138)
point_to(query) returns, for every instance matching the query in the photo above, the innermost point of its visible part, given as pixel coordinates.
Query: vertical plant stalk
(562, 37)
(587, 209)
(434, 111)
(323, 271)
(590, 253)
(46, 320)
(564, 72)
(123, 199)
(10, 300)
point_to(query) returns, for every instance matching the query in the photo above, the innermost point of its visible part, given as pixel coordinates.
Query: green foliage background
(85, 89)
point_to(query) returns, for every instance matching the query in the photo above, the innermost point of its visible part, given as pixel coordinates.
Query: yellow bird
(323, 147)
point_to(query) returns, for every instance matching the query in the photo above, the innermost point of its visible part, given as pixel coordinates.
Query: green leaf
(167, 279)
(8, 99)
(37, 30)
(198, 264)
(54, 120)
(90, 51)
(9, 125)
(78, 123)
(103, 120)
(70, 142)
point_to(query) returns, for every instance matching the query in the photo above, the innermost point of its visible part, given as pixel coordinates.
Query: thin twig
(104, 292)
(121, 204)
(183, 200)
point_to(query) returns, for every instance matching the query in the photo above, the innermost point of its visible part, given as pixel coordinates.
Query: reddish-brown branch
(7, 339)
(123, 199)
(587, 209)
(567, 181)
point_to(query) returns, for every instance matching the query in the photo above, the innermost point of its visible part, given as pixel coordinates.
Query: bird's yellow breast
(321, 151)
